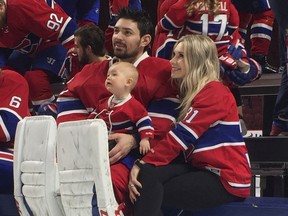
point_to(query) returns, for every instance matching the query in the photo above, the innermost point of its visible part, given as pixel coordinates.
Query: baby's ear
(129, 81)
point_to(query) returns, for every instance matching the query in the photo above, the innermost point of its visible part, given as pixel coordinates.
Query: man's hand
(125, 142)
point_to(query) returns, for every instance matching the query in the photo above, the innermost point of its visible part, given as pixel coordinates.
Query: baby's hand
(144, 146)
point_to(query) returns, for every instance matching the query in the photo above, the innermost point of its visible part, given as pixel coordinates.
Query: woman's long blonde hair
(202, 66)
(212, 5)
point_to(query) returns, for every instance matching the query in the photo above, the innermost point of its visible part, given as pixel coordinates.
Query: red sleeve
(13, 103)
(37, 17)
(175, 16)
(207, 109)
(116, 5)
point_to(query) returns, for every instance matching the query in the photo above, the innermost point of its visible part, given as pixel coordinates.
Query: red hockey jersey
(13, 104)
(211, 138)
(176, 22)
(32, 22)
(154, 90)
(125, 117)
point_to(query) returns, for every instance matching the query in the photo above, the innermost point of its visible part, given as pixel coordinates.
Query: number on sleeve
(195, 112)
(54, 23)
(15, 102)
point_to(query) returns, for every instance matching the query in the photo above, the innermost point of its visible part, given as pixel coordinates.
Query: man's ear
(88, 48)
(145, 40)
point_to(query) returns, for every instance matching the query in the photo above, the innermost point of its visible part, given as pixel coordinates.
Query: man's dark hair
(141, 17)
(91, 35)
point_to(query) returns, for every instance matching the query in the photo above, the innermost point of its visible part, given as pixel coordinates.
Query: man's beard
(3, 20)
(125, 54)
(84, 59)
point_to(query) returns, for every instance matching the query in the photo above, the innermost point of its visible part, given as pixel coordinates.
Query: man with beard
(89, 44)
(131, 39)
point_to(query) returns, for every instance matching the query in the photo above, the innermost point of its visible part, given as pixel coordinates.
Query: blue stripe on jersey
(10, 121)
(144, 122)
(214, 28)
(68, 105)
(165, 106)
(184, 135)
(128, 125)
(231, 29)
(260, 29)
(69, 30)
(220, 133)
(167, 24)
(49, 2)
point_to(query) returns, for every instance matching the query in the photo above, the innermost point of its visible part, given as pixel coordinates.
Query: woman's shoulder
(215, 90)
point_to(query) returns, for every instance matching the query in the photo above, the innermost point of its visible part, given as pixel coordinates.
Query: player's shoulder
(10, 76)
(155, 63)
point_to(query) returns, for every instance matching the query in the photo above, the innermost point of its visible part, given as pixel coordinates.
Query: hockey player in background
(13, 107)
(40, 38)
(258, 13)
(83, 11)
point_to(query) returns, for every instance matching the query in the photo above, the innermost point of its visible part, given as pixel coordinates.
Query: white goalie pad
(82, 152)
(35, 169)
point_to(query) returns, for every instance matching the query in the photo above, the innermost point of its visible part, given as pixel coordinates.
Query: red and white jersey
(218, 27)
(211, 138)
(154, 90)
(13, 104)
(32, 22)
(125, 117)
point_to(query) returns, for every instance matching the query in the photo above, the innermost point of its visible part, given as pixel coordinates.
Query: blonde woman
(216, 167)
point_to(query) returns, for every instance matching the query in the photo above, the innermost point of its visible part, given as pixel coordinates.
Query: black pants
(179, 186)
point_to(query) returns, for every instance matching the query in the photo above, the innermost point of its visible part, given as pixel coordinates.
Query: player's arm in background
(13, 105)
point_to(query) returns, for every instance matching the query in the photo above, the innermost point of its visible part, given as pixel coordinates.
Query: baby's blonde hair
(129, 70)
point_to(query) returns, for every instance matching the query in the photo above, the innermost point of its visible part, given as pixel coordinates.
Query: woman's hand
(134, 183)
(124, 144)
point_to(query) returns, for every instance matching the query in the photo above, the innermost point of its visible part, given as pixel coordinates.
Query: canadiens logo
(29, 44)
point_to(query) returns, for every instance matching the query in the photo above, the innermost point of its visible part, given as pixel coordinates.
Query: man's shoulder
(155, 63)
(89, 73)
(92, 68)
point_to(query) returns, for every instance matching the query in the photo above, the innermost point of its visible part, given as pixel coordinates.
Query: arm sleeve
(52, 22)
(188, 130)
(174, 18)
(14, 105)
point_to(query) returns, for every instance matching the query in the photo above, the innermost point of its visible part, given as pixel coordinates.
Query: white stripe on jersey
(238, 185)
(189, 130)
(225, 123)
(6, 132)
(80, 111)
(158, 115)
(219, 146)
(178, 140)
